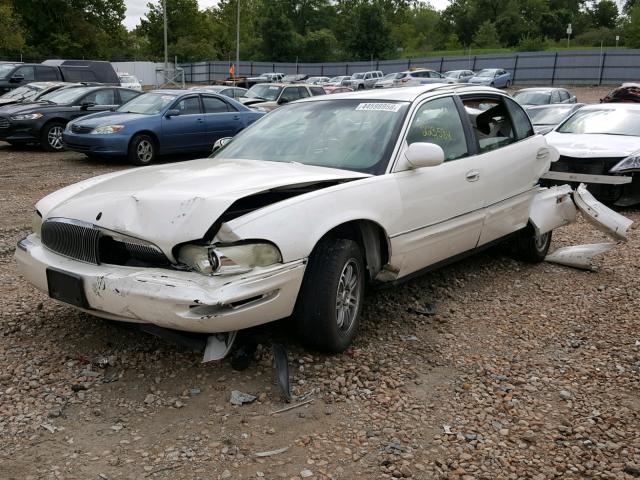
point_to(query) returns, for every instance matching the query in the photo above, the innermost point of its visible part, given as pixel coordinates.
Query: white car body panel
(592, 145)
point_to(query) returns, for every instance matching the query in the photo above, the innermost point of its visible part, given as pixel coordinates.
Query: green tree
(365, 31)
(486, 36)
(631, 28)
(279, 39)
(604, 14)
(11, 34)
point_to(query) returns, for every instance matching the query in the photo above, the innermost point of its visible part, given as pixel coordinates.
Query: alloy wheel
(348, 296)
(54, 137)
(144, 151)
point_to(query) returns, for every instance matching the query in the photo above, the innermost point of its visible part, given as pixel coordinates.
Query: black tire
(51, 137)
(317, 314)
(492, 85)
(142, 150)
(529, 247)
(360, 87)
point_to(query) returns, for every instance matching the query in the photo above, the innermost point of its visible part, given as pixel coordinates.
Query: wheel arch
(370, 236)
(151, 134)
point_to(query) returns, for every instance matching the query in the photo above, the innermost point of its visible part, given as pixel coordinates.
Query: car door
(509, 162)
(99, 100)
(185, 131)
(221, 119)
(442, 206)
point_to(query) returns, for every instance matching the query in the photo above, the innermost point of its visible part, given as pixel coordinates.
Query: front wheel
(51, 137)
(142, 150)
(531, 247)
(327, 313)
(360, 87)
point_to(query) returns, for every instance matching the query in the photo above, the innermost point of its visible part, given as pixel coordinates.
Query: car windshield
(5, 68)
(22, 93)
(336, 79)
(148, 103)
(453, 73)
(356, 76)
(604, 121)
(532, 98)
(487, 73)
(390, 76)
(548, 116)
(65, 95)
(345, 134)
(264, 92)
(128, 79)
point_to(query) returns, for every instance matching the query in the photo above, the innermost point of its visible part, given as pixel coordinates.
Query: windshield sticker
(167, 97)
(379, 107)
(274, 88)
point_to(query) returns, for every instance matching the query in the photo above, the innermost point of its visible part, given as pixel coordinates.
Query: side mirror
(221, 142)
(174, 112)
(86, 105)
(422, 154)
(17, 78)
(282, 101)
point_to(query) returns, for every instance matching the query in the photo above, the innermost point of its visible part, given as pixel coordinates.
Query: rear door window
(214, 105)
(46, 74)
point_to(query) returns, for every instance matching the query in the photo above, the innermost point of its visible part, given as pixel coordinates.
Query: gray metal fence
(590, 67)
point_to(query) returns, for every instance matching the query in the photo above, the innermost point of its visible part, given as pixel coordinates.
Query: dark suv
(44, 121)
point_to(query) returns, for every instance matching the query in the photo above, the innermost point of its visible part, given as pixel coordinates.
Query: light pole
(235, 70)
(166, 49)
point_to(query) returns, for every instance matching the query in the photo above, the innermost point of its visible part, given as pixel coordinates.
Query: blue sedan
(158, 123)
(493, 77)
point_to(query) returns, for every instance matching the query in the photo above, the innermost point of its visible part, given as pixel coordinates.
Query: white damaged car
(296, 214)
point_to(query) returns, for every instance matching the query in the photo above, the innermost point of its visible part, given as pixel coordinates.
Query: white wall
(145, 71)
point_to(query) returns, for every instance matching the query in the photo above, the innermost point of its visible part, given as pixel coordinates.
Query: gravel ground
(525, 371)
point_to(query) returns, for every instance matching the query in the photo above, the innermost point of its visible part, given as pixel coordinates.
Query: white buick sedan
(295, 215)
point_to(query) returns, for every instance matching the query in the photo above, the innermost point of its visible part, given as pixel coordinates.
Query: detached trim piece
(585, 177)
(579, 256)
(601, 216)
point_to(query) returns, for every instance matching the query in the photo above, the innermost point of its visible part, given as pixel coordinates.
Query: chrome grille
(4, 122)
(91, 244)
(79, 129)
(72, 239)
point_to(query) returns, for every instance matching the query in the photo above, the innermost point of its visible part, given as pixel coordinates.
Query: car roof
(407, 94)
(613, 106)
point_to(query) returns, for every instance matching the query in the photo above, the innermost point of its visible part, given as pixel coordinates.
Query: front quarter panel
(296, 225)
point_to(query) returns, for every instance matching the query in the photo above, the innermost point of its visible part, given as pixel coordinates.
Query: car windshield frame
(160, 102)
(532, 97)
(264, 91)
(600, 120)
(66, 95)
(348, 134)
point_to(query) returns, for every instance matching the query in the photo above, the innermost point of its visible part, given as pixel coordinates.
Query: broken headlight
(632, 162)
(229, 259)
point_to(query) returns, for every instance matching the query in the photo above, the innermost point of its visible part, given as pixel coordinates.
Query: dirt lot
(524, 372)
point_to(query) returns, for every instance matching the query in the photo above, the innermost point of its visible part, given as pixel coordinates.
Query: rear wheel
(142, 150)
(531, 247)
(329, 304)
(51, 137)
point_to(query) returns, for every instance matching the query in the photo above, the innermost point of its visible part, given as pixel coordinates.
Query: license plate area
(66, 287)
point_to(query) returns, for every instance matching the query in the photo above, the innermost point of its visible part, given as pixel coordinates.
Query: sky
(137, 8)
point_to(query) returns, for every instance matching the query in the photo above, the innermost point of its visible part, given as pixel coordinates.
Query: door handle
(200, 120)
(473, 176)
(543, 154)
(236, 117)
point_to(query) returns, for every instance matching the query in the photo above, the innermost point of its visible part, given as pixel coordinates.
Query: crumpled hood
(108, 118)
(593, 146)
(175, 203)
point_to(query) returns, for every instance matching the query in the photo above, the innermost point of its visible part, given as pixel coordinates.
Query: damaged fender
(552, 208)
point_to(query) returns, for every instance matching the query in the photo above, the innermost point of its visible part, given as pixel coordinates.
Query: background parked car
(271, 96)
(295, 78)
(460, 76)
(317, 80)
(627, 93)
(600, 145)
(386, 81)
(330, 89)
(412, 78)
(30, 92)
(158, 123)
(360, 81)
(543, 96)
(231, 92)
(14, 75)
(546, 117)
(339, 80)
(43, 122)
(129, 81)
(494, 77)
(269, 77)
